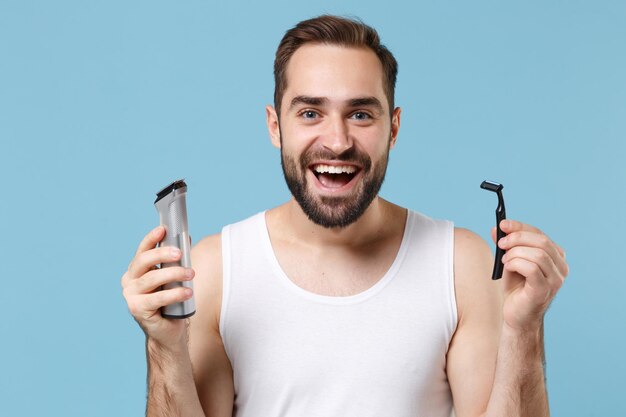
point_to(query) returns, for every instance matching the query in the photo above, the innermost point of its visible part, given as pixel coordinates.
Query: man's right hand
(141, 288)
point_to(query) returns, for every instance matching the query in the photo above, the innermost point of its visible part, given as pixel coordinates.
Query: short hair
(333, 30)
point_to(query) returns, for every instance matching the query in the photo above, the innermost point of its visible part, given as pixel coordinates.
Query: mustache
(351, 155)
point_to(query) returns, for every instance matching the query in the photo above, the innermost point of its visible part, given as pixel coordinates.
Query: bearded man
(337, 302)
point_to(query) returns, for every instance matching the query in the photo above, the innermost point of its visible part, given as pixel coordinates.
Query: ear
(395, 126)
(273, 127)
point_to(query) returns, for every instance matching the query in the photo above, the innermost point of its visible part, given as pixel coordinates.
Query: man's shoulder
(209, 243)
(211, 246)
(472, 256)
(421, 223)
(473, 261)
(248, 221)
(214, 241)
(469, 243)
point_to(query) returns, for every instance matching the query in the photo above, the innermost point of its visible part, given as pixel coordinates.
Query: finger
(529, 270)
(125, 279)
(155, 279)
(535, 240)
(538, 256)
(510, 226)
(151, 239)
(532, 239)
(561, 262)
(560, 249)
(156, 300)
(145, 261)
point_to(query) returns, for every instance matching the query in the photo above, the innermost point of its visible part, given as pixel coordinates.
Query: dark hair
(333, 30)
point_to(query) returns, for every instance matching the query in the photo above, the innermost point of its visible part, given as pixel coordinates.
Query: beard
(330, 211)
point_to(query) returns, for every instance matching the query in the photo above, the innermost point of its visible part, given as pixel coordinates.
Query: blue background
(103, 103)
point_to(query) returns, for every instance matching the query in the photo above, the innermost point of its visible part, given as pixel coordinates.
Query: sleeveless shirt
(381, 352)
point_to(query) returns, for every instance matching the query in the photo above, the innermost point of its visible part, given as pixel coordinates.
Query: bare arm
(172, 357)
(519, 387)
(212, 371)
(534, 271)
(171, 388)
(471, 360)
(498, 371)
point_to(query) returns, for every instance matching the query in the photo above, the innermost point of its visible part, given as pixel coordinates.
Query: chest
(314, 356)
(334, 272)
(368, 353)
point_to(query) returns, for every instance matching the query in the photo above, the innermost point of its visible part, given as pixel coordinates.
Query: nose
(337, 137)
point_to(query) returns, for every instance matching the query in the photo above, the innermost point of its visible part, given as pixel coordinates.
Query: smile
(335, 177)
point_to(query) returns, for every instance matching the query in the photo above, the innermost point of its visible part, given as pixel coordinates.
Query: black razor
(498, 266)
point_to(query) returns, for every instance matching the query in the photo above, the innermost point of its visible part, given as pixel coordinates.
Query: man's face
(335, 131)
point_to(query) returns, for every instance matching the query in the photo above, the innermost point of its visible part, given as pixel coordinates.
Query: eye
(361, 115)
(309, 114)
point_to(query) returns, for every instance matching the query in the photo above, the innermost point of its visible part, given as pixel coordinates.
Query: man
(339, 303)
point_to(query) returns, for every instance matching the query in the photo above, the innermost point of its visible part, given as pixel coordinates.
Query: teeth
(345, 169)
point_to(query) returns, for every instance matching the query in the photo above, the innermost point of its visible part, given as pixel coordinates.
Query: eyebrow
(308, 100)
(354, 102)
(366, 102)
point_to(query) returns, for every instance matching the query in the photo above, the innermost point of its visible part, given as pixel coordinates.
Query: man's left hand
(534, 271)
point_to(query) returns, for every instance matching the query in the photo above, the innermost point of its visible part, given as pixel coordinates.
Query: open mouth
(334, 176)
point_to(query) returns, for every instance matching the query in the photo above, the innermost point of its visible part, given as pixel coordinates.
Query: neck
(377, 222)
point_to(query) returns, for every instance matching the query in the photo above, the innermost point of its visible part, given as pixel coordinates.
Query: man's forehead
(333, 71)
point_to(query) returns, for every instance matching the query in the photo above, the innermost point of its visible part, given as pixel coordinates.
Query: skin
(494, 361)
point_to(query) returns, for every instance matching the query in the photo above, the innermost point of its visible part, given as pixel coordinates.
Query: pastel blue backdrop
(103, 103)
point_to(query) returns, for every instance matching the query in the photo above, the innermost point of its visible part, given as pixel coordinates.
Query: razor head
(491, 186)
(168, 189)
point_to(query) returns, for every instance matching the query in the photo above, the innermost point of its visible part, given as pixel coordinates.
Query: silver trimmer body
(171, 205)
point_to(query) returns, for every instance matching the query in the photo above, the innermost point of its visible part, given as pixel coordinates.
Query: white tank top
(381, 352)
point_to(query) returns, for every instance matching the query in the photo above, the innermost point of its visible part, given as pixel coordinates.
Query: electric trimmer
(172, 207)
